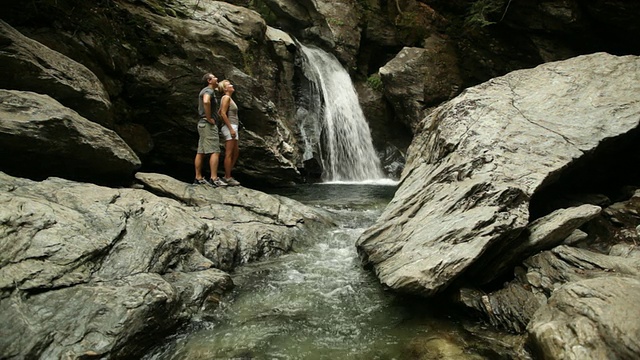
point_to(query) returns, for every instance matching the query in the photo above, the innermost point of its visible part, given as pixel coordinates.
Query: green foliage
(375, 82)
(335, 22)
(482, 12)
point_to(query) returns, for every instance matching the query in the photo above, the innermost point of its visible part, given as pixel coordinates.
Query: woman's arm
(224, 107)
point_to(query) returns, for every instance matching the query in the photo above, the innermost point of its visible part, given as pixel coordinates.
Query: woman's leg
(236, 153)
(229, 150)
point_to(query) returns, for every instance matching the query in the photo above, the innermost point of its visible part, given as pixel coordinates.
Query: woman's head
(225, 86)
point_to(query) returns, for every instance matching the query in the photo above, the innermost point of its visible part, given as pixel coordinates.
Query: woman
(229, 116)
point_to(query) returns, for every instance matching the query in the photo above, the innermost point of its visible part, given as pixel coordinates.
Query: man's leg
(198, 164)
(213, 164)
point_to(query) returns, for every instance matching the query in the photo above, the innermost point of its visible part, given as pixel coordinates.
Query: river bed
(318, 302)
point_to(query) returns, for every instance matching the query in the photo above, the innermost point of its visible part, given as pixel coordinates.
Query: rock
(480, 157)
(150, 59)
(28, 65)
(419, 78)
(86, 269)
(575, 237)
(109, 319)
(512, 307)
(625, 250)
(509, 308)
(245, 202)
(82, 265)
(542, 234)
(45, 138)
(248, 225)
(335, 25)
(549, 270)
(589, 319)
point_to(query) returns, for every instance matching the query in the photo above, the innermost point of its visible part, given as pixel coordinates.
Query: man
(208, 141)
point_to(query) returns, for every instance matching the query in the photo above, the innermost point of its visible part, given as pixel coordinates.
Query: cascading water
(332, 119)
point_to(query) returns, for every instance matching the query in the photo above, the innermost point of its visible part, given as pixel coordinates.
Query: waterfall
(332, 123)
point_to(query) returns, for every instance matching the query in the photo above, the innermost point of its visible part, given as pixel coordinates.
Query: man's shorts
(209, 141)
(227, 134)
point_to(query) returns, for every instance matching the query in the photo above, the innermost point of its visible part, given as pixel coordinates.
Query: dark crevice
(608, 170)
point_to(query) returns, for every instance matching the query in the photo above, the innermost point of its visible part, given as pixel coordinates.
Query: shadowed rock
(41, 138)
(30, 66)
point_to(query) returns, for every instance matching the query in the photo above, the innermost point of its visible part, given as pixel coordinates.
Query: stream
(317, 302)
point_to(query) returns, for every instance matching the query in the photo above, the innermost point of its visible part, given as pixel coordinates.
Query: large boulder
(513, 307)
(90, 271)
(480, 158)
(419, 78)
(40, 137)
(589, 319)
(83, 269)
(30, 66)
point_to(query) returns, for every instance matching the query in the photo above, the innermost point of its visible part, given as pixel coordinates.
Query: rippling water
(319, 303)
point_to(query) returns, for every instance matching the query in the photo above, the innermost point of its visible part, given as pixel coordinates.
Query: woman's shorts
(209, 141)
(227, 134)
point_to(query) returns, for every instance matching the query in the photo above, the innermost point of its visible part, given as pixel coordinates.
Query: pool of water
(318, 302)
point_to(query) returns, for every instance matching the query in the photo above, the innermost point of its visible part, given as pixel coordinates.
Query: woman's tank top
(232, 113)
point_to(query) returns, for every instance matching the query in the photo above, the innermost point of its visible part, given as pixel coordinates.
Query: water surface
(317, 302)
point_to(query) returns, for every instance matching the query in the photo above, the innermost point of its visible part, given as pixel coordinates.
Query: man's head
(210, 80)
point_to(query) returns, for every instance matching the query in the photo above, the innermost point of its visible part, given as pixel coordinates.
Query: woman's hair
(222, 85)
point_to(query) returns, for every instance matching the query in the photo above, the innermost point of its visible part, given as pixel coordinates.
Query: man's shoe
(231, 181)
(217, 182)
(200, 182)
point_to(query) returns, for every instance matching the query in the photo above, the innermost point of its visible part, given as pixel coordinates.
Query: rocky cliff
(508, 168)
(134, 66)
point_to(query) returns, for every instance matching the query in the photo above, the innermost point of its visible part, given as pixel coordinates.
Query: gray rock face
(248, 225)
(54, 140)
(513, 307)
(608, 251)
(333, 24)
(480, 157)
(542, 234)
(590, 319)
(93, 271)
(153, 76)
(30, 66)
(419, 78)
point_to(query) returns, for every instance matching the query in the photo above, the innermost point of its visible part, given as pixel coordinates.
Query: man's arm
(206, 101)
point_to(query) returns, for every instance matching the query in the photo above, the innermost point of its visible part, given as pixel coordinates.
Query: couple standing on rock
(209, 142)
